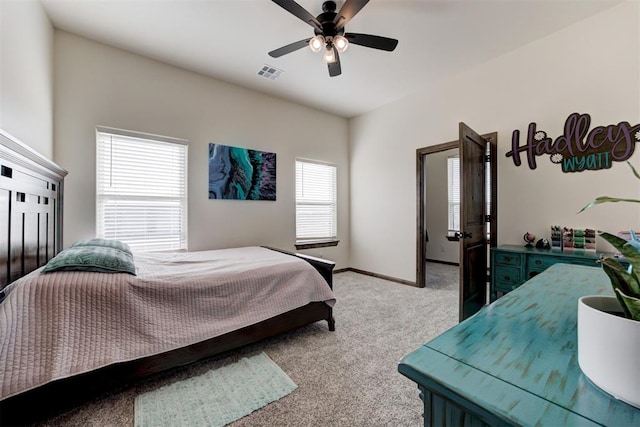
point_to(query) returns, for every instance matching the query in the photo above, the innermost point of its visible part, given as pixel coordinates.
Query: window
(316, 210)
(141, 194)
(453, 183)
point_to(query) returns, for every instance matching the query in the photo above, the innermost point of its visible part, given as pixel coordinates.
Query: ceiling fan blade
(375, 42)
(348, 11)
(289, 48)
(334, 67)
(300, 12)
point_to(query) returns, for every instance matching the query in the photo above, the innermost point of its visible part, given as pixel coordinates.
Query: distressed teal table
(516, 361)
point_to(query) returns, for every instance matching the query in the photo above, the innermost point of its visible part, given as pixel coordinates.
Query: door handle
(462, 235)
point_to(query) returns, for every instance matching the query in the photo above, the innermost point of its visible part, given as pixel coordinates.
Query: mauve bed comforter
(56, 325)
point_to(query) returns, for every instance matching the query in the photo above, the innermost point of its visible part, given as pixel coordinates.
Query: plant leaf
(630, 304)
(607, 199)
(616, 242)
(628, 251)
(635, 172)
(616, 281)
(629, 283)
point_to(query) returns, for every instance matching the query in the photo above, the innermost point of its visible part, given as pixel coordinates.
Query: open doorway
(441, 175)
(438, 216)
(441, 276)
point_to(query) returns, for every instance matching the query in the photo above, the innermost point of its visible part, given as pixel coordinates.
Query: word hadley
(578, 148)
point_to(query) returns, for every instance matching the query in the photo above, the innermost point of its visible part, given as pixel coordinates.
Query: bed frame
(31, 202)
(30, 209)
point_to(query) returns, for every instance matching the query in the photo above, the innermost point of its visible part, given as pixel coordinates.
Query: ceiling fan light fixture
(329, 32)
(341, 43)
(329, 57)
(316, 43)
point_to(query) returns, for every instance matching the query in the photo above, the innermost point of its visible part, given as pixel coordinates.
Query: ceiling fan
(329, 32)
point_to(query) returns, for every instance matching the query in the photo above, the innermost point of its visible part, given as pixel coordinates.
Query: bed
(69, 336)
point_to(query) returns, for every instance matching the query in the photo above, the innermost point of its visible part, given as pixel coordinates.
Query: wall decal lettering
(578, 148)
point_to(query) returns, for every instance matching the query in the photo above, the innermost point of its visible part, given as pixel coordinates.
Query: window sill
(316, 244)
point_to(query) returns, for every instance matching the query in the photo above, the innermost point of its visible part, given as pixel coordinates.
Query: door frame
(492, 142)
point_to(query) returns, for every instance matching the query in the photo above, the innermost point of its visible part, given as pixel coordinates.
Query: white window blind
(453, 170)
(453, 184)
(488, 192)
(316, 210)
(141, 193)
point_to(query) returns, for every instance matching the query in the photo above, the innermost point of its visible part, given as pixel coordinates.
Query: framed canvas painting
(241, 174)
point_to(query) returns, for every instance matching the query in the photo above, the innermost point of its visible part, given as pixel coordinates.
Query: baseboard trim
(437, 261)
(376, 275)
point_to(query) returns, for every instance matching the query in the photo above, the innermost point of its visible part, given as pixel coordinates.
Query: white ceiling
(229, 40)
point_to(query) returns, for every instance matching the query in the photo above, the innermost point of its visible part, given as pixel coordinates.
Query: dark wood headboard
(31, 189)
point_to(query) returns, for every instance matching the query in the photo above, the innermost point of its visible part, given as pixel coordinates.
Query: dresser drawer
(541, 262)
(504, 287)
(507, 277)
(589, 262)
(505, 258)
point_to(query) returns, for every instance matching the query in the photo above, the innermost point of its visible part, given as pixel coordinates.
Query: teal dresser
(512, 265)
(516, 361)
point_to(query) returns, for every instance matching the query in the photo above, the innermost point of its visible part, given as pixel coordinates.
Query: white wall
(100, 85)
(26, 74)
(590, 67)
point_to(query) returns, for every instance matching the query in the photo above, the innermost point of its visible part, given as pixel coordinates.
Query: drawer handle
(507, 258)
(538, 262)
(507, 278)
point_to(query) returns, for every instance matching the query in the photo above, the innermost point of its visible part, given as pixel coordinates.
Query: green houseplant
(625, 282)
(607, 338)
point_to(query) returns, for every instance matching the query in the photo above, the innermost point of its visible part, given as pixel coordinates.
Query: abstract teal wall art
(241, 174)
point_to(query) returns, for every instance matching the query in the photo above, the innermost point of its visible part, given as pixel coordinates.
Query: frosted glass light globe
(341, 43)
(316, 43)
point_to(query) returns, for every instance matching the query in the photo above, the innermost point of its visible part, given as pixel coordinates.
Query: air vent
(269, 72)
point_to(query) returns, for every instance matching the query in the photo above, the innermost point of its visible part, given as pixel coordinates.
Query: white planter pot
(608, 348)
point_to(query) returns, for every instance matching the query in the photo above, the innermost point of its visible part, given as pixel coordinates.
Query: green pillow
(107, 243)
(98, 259)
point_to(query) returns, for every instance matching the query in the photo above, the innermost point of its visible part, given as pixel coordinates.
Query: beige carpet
(345, 378)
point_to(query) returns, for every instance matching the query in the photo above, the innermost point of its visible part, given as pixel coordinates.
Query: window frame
(452, 176)
(182, 198)
(324, 241)
(451, 232)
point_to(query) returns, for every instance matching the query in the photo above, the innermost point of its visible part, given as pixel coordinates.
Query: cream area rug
(217, 397)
